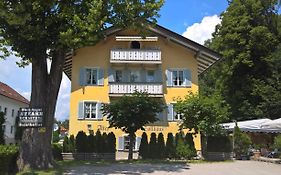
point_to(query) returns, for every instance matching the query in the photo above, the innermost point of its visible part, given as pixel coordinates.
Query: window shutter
(138, 141)
(169, 77)
(158, 76)
(81, 110)
(99, 111)
(170, 112)
(120, 143)
(111, 75)
(187, 77)
(82, 77)
(100, 77)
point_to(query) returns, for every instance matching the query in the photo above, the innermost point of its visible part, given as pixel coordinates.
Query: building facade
(10, 103)
(164, 64)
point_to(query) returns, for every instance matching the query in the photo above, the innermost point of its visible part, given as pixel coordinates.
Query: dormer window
(135, 45)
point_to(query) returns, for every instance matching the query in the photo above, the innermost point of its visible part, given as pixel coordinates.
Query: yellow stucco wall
(173, 56)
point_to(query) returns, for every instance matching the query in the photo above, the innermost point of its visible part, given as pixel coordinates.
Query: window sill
(179, 86)
(90, 119)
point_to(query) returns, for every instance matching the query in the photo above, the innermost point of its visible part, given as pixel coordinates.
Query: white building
(10, 103)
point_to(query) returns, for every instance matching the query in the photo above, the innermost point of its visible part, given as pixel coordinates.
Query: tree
(41, 30)
(182, 150)
(104, 144)
(111, 141)
(99, 142)
(2, 132)
(65, 145)
(161, 145)
(82, 145)
(72, 145)
(131, 113)
(144, 149)
(170, 146)
(92, 143)
(188, 140)
(19, 130)
(241, 143)
(202, 114)
(246, 39)
(56, 136)
(153, 147)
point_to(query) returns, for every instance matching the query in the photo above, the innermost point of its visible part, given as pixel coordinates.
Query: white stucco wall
(10, 105)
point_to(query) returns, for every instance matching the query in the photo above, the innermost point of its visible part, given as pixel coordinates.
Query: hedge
(8, 158)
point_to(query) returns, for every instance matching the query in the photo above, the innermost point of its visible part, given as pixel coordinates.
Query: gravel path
(223, 168)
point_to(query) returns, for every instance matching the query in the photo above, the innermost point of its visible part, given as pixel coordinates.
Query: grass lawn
(62, 165)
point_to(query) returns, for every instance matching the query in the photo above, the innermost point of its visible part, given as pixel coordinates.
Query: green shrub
(56, 136)
(65, 145)
(241, 143)
(104, 143)
(182, 150)
(170, 146)
(161, 146)
(92, 143)
(111, 141)
(81, 142)
(188, 140)
(71, 143)
(57, 150)
(219, 144)
(144, 150)
(99, 142)
(8, 158)
(153, 149)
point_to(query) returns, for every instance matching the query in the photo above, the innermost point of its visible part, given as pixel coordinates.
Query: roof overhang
(205, 56)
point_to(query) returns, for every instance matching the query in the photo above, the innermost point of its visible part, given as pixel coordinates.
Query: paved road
(223, 168)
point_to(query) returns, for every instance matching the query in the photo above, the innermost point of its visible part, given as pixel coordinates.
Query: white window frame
(96, 118)
(176, 116)
(147, 76)
(172, 78)
(91, 75)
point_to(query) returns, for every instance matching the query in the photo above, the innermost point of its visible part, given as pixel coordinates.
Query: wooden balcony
(135, 56)
(119, 89)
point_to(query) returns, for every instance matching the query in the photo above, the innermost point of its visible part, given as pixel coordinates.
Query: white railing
(131, 55)
(129, 88)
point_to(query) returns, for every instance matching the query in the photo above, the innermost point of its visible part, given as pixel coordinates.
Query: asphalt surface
(218, 168)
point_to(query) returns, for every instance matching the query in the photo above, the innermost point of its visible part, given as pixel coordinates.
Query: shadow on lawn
(126, 168)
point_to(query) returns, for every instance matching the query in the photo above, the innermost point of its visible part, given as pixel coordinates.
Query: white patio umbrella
(272, 126)
(247, 126)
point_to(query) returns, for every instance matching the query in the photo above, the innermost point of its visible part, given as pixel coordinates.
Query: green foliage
(57, 150)
(241, 143)
(19, 130)
(202, 114)
(92, 143)
(56, 136)
(161, 145)
(131, 113)
(170, 146)
(219, 144)
(245, 78)
(277, 142)
(104, 143)
(111, 142)
(8, 157)
(72, 145)
(99, 142)
(2, 121)
(144, 147)
(81, 142)
(65, 145)
(153, 147)
(182, 150)
(188, 140)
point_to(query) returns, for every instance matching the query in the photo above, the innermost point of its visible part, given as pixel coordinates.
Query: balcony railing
(135, 55)
(154, 89)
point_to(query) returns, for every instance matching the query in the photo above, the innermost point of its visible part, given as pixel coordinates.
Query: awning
(272, 126)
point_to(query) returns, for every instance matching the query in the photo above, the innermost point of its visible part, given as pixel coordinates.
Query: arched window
(135, 45)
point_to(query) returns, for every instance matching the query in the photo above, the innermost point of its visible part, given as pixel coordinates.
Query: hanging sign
(31, 117)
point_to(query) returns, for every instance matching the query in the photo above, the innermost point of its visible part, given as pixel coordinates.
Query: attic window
(135, 45)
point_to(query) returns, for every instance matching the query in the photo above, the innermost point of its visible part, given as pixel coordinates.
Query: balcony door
(135, 76)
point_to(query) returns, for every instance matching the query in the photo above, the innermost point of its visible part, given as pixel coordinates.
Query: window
(13, 111)
(177, 77)
(127, 143)
(118, 74)
(178, 116)
(135, 76)
(91, 76)
(5, 111)
(135, 45)
(12, 128)
(90, 110)
(150, 76)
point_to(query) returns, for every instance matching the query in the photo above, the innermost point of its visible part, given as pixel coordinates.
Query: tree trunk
(35, 149)
(131, 145)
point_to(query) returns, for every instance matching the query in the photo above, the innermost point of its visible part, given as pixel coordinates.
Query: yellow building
(163, 63)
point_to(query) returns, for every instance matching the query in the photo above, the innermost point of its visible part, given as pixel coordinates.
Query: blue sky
(194, 19)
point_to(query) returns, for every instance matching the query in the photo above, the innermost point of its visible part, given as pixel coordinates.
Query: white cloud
(200, 32)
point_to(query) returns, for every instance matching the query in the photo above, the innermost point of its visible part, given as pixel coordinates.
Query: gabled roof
(9, 92)
(205, 56)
